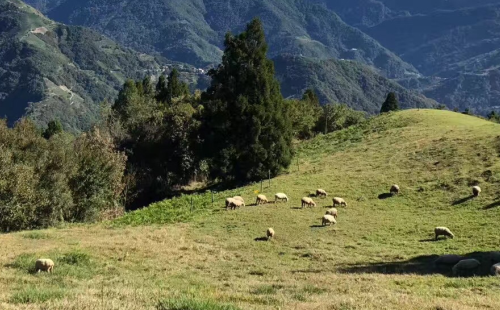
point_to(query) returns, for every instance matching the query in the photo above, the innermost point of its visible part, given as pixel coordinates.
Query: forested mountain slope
(192, 31)
(343, 81)
(60, 72)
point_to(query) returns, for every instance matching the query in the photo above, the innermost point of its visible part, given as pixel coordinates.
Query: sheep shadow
(492, 205)
(260, 239)
(423, 265)
(429, 240)
(317, 226)
(384, 196)
(463, 200)
(296, 208)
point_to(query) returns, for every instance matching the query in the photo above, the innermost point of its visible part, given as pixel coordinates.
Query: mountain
(358, 85)
(192, 31)
(52, 71)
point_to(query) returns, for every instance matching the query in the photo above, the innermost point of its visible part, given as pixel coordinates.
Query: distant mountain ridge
(192, 31)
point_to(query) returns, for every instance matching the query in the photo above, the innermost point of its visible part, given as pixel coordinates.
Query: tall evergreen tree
(246, 126)
(53, 128)
(161, 88)
(390, 104)
(311, 96)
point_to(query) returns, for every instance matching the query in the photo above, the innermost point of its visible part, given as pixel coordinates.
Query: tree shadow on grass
(463, 200)
(492, 205)
(424, 265)
(384, 196)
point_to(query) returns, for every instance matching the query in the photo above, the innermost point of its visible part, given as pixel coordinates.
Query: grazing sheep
(339, 201)
(333, 212)
(44, 264)
(443, 231)
(394, 189)
(280, 197)
(240, 199)
(495, 270)
(228, 202)
(448, 259)
(236, 204)
(308, 201)
(261, 199)
(465, 266)
(270, 233)
(476, 190)
(328, 219)
(321, 193)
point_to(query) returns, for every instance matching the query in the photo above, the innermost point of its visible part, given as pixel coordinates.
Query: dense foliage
(246, 127)
(44, 182)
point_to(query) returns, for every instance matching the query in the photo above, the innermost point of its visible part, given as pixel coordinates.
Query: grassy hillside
(344, 81)
(378, 256)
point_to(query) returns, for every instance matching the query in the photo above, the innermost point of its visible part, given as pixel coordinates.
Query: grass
(378, 256)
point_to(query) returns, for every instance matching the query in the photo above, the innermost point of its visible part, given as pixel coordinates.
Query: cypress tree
(53, 128)
(246, 127)
(161, 88)
(311, 96)
(175, 88)
(390, 104)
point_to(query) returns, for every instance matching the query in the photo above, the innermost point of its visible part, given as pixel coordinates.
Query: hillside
(193, 31)
(350, 82)
(379, 255)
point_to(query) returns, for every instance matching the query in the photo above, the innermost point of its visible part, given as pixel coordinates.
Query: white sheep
(394, 189)
(240, 199)
(476, 190)
(321, 193)
(328, 219)
(465, 266)
(443, 231)
(228, 202)
(308, 201)
(339, 201)
(448, 259)
(236, 204)
(495, 270)
(261, 199)
(270, 233)
(44, 264)
(280, 197)
(333, 212)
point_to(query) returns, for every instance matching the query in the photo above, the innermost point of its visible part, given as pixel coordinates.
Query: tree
(174, 89)
(337, 117)
(311, 97)
(390, 104)
(304, 114)
(53, 128)
(246, 127)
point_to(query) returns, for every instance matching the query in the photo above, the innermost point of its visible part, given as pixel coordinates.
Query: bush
(46, 182)
(337, 117)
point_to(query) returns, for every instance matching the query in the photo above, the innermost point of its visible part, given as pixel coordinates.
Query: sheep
(321, 193)
(339, 201)
(443, 231)
(476, 190)
(448, 259)
(44, 264)
(236, 204)
(240, 199)
(394, 189)
(328, 219)
(228, 202)
(280, 197)
(333, 212)
(465, 266)
(495, 270)
(308, 201)
(261, 199)
(270, 233)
